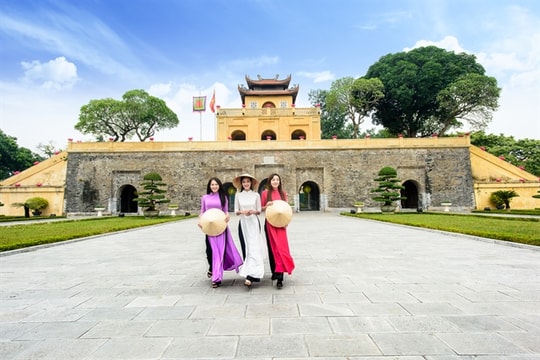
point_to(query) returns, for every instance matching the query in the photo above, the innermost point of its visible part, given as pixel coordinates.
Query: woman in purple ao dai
(225, 255)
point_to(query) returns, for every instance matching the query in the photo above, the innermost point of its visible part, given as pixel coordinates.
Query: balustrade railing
(268, 112)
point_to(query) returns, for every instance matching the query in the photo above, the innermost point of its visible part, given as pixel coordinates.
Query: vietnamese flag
(213, 101)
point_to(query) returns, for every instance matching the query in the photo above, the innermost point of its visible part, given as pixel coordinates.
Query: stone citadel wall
(343, 170)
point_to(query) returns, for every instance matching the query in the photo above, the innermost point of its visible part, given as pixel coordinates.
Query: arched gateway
(410, 193)
(126, 204)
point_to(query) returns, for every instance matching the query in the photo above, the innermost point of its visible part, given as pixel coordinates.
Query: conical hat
(279, 214)
(237, 182)
(213, 222)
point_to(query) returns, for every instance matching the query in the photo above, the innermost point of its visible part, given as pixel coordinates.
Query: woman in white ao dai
(247, 205)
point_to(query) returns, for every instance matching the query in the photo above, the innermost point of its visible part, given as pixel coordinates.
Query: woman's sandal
(209, 274)
(247, 283)
(279, 284)
(215, 285)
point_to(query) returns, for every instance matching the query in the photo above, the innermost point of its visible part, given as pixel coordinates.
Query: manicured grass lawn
(4, 218)
(24, 235)
(509, 212)
(519, 230)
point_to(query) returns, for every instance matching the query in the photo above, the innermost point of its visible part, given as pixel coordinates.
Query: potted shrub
(152, 195)
(36, 204)
(501, 199)
(388, 190)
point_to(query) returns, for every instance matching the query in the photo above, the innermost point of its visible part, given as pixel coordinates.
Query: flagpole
(199, 104)
(200, 119)
(213, 110)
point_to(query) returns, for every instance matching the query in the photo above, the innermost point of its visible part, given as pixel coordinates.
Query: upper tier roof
(268, 87)
(270, 92)
(275, 82)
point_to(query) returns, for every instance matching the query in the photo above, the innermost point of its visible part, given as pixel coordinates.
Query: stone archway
(309, 195)
(263, 185)
(269, 104)
(298, 135)
(411, 194)
(127, 194)
(238, 135)
(268, 135)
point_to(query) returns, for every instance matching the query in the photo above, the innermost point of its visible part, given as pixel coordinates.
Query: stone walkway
(361, 290)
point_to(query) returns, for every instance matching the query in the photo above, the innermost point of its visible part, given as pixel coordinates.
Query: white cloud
(499, 63)
(449, 43)
(51, 116)
(318, 77)
(515, 64)
(160, 90)
(56, 74)
(179, 97)
(80, 36)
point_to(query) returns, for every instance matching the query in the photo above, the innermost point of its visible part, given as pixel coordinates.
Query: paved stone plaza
(361, 290)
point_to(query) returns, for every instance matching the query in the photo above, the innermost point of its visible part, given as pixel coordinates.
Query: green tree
(389, 188)
(137, 114)
(332, 121)
(153, 193)
(365, 95)
(523, 153)
(48, 149)
(14, 158)
(339, 100)
(431, 90)
(472, 97)
(376, 133)
(37, 203)
(500, 197)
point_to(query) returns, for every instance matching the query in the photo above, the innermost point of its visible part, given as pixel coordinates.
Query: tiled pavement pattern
(361, 290)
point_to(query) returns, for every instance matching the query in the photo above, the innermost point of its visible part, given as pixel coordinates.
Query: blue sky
(57, 55)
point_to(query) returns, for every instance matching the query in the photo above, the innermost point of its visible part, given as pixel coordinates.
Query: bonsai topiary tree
(36, 204)
(388, 190)
(500, 197)
(153, 193)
